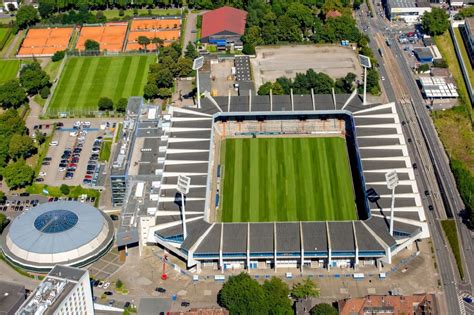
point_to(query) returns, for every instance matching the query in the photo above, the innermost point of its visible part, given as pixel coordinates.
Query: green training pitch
(8, 70)
(86, 79)
(286, 179)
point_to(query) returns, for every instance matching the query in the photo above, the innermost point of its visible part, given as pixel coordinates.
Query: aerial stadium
(287, 181)
(65, 232)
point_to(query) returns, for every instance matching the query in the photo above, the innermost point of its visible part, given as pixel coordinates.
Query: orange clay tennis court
(45, 41)
(168, 30)
(155, 24)
(110, 36)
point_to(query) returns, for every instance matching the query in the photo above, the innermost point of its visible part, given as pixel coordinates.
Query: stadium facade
(65, 232)
(184, 142)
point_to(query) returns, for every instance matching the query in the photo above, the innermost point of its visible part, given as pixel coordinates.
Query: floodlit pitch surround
(277, 127)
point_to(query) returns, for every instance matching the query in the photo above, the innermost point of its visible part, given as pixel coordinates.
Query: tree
(373, 81)
(119, 284)
(12, 94)
(45, 8)
(40, 137)
(44, 92)
(165, 78)
(18, 174)
(121, 105)
(26, 15)
(265, 88)
(184, 67)
(191, 51)
(92, 45)
(304, 289)
(158, 42)
(3, 221)
(59, 55)
(3, 198)
(105, 104)
(150, 91)
(65, 190)
(435, 22)
(323, 309)
(243, 295)
(277, 292)
(21, 147)
(144, 41)
(424, 67)
(33, 78)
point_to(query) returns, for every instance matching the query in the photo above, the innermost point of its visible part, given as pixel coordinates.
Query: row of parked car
(17, 205)
(92, 164)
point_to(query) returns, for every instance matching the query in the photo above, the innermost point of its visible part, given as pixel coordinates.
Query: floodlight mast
(365, 63)
(197, 64)
(392, 182)
(183, 189)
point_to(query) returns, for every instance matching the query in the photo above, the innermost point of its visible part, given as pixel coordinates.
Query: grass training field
(286, 179)
(8, 70)
(86, 79)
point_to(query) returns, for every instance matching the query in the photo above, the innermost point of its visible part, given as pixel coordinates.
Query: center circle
(55, 221)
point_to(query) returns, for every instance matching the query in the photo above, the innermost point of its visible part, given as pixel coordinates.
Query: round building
(65, 232)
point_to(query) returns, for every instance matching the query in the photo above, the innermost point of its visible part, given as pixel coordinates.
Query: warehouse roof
(223, 19)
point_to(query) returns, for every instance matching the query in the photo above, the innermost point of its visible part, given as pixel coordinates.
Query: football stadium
(287, 181)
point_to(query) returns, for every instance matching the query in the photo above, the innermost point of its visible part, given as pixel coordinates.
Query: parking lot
(73, 155)
(271, 63)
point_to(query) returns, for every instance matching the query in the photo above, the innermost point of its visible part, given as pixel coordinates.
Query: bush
(121, 105)
(105, 104)
(44, 93)
(119, 284)
(59, 55)
(121, 12)
(65, 189)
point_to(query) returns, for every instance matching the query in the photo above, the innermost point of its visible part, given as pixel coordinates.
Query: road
(434, 175)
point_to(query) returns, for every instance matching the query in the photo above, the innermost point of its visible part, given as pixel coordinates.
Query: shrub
(121, 12)
(44, 92)
(105, 104)
(65, 189)
(59, 55)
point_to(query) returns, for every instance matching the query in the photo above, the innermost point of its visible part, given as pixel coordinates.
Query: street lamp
(197, 64)
(365, 63)
(392, 182)
(183, 189)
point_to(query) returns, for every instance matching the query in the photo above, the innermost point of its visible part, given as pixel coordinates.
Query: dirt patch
(273, 62)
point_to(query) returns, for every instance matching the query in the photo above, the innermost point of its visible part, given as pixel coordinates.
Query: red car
(72, 165)
(88, 177)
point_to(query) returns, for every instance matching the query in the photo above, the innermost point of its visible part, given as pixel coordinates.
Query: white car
(100, 285)
(61, 169)
(106, 285)
(42, 174)
(53, 143)
(73, 134)
(383, 78)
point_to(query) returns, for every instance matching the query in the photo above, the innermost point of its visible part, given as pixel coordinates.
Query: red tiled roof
(223, 19)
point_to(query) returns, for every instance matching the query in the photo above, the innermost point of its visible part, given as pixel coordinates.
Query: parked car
(160, 290)
(53, 143)
(108, 293)
(39, 180)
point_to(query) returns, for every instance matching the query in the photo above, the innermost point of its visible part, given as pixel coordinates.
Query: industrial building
(223, 27)
(64, 232)
(409, 11)
(182, 146)
(65, 290)
(437, 87)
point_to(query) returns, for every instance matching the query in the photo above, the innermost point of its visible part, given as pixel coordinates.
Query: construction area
(272, 62)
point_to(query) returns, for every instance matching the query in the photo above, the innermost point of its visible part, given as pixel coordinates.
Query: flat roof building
(12, 295)
(409, 11)
(65, 290)
(467, 32)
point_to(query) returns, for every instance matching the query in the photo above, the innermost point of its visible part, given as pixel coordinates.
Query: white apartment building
(64, 291)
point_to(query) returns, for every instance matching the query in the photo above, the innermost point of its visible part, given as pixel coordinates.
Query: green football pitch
(86, 79)
(8, 70)
(286, 179)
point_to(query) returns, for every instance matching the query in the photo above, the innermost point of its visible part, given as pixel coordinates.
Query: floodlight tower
(183, 189)
(197, 64)
(392, 182)
(365, 63)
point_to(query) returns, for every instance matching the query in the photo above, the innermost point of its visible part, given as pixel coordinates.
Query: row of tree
(243, 295)
(15, 146)
(171, 65)
(106, 104)
(465, 183)
(320, 82)
(65, 5)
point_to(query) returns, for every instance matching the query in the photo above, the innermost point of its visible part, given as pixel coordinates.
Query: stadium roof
(225, 19)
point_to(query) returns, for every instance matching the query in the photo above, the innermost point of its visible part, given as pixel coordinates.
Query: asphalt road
(431, 147)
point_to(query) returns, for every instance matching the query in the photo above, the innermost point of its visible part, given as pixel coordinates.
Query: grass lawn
(286, 179)
(464, 54)
(4, 32)
(86, 79)
(114, 13)
(104, 154)
(451, 232)
(52, 69)
(8, 69)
